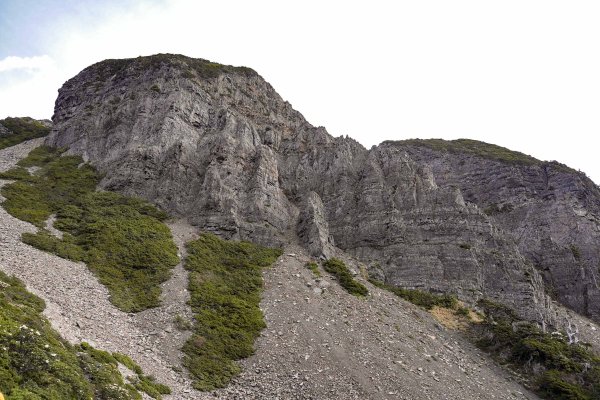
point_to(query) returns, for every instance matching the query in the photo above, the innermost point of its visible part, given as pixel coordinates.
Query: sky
(521, 74)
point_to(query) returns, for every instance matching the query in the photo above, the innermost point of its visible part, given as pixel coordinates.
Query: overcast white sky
(522, 74)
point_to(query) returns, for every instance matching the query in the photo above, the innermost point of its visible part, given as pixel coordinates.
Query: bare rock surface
(11, 155)
(551, 211)
(218, 146)
(323, 343)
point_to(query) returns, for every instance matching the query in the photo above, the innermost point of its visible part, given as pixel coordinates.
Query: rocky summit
(218, 150)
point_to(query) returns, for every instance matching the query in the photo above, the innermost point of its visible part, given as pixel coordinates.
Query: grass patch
(36, 363)
(314, 267)
(182, 324)
(481, 149)
(21, 129)
(420, 298)
(338, 269)
(225, 284)
(557, 369)
(122, 239)
(143, 383)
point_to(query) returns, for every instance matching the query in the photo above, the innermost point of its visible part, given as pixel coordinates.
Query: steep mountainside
(551, 211)
(320, 341)
(218, 145)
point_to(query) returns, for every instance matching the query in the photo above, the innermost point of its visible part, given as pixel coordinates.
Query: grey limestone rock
(218, 146)
(313, 228)
(551, 211)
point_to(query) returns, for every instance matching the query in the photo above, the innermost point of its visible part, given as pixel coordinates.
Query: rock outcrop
(217, 145)
(551, 211)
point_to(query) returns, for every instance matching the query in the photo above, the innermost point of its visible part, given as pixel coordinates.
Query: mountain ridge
(218, 146)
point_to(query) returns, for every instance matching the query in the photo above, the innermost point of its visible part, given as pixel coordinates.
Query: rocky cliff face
(550, 211)
(218, 145)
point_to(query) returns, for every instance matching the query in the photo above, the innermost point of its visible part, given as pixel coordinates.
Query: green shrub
(127, 362)
(36, 363)
(314, 268)
(65, 247)
(462, 311)
(122, 239)
(552, 386)
(420, 298)
(557, 369)
(182, 324)
(225, 284)
(21, 129)
(338, 269)
(148, 385)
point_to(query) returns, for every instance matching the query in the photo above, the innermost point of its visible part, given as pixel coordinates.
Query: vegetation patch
(36, 363)
(420, 298)
(481, 149)
(143, 383)
(225, 285)
(495, 209)
(122, 239)
(314, 267)
(191, 67)
(21, 129)
(557, 369)
(576, 252)
(338, 269)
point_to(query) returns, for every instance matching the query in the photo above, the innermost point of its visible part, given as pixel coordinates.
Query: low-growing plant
(314, 267)
(225, 283)
(338, 269)
(420, 298)
(462, 311)
(36, 363)
(21, 129)
(557, 369)
(182, 323)
(122, 239)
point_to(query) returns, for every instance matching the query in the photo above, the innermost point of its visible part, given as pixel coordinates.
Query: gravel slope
(77, 304)
(320, 343)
